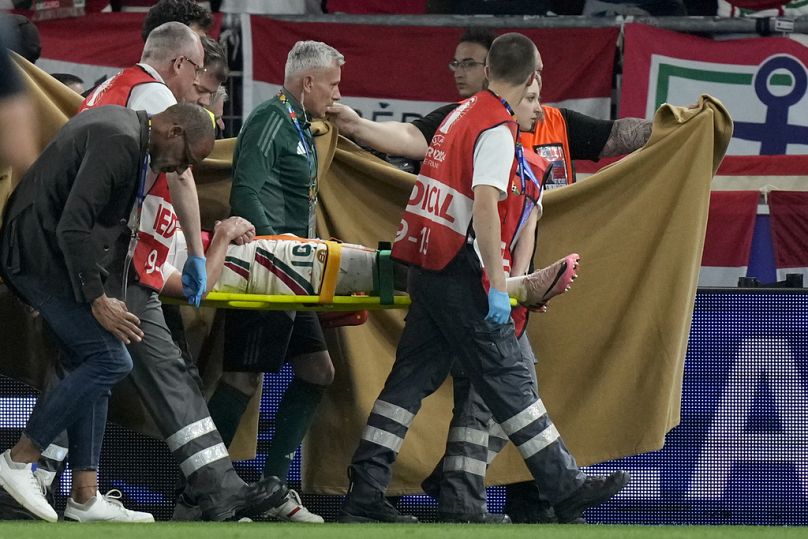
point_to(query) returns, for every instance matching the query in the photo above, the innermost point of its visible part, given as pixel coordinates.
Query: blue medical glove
(499, 306)
(194, 279)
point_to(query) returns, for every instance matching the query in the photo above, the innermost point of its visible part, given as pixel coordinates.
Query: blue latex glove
(499, 306)
(194, 279)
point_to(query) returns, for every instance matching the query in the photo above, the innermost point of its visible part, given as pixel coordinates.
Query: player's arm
(523, 251)
(231, 230)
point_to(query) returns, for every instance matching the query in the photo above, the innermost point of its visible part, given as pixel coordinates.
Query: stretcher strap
(384, 263)
(331, 272)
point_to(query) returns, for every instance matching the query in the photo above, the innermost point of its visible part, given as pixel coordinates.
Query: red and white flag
(728, 240)
(401, 72)
(789, 225)
(95, 46)
(763, 82)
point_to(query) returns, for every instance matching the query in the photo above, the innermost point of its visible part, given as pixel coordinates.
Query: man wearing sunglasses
(171, 62)
(69, 207)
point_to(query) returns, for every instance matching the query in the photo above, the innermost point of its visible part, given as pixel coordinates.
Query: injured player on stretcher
(240, 262)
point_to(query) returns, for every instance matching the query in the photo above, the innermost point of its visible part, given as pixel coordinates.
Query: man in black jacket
(70, 207)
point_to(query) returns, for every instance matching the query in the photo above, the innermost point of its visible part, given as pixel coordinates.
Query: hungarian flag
(763, 82)
(401, 72)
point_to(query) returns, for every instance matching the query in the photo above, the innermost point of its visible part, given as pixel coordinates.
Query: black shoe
(474, 518)
(531, 513)
(251, 500)
(10, 509)
(431, 486)
(372, 509)
(594, 491)
(526, 506)
(186, 509)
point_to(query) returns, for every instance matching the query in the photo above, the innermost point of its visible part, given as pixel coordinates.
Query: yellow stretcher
(387, 298)
(224, 300)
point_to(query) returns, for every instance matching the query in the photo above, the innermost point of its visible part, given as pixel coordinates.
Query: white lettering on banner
(441, 204)
(757, 359)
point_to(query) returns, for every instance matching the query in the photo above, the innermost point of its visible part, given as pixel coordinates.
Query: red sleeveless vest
(511, 210)
(158, 222)
(436, 222)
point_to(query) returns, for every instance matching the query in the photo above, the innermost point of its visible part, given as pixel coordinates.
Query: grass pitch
(199, 530)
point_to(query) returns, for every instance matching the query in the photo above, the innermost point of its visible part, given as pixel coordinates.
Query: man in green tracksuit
(275, 188)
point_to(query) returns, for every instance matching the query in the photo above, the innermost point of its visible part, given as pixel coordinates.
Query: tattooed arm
(628, 134)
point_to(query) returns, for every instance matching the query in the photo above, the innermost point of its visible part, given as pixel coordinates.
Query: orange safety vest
(549, 140)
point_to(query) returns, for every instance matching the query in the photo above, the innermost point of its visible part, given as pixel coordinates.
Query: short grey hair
(306, 55)
(168, 41)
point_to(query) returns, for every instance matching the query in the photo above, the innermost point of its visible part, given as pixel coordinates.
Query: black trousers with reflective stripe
(463, 491)
(447, 320)
(171, 393)
(169, 390)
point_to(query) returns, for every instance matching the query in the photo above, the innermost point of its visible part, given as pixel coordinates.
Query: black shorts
(262, 341)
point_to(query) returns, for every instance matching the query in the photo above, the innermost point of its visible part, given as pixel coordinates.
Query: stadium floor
(66, 530)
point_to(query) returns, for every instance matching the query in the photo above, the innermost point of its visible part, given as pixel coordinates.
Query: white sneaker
(106, 508)
(19, 481)
(292, 510)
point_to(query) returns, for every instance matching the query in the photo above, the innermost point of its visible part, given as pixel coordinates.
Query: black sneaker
(526, 506)
(431, 485)
(375, 509)
(474, 518)
(594, 491)
(186, 509)
(251, 500)
(10, 509)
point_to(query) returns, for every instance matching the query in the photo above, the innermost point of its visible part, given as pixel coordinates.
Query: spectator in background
(17, 116)
(187, 12)
(215, 73)
(217, 108)
(71, 81)
(468, 63)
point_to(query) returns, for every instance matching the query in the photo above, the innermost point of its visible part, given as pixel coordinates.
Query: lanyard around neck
(135, 216)
(293, 116)
(134, 222)
(526, 174)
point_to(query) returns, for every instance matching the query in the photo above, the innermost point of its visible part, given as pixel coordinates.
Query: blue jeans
(93, 360)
